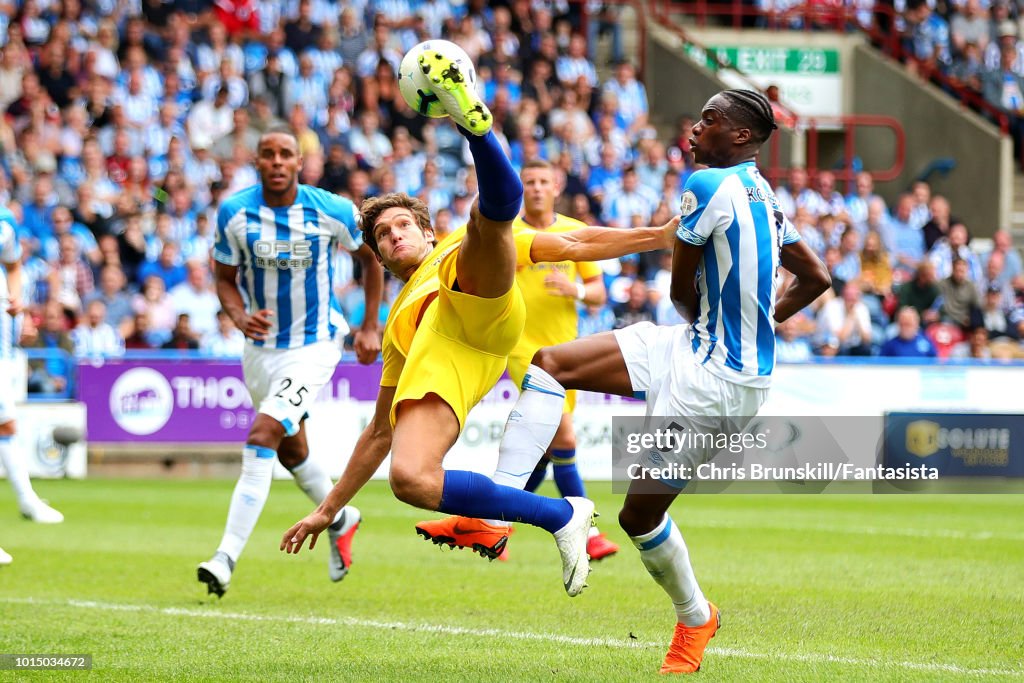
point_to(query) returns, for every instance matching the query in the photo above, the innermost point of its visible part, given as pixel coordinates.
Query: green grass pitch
(815, 588)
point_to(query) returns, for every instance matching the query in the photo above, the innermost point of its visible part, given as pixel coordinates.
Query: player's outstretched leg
(425, 430)
(455, 93)
(528, 431)
(662, 550)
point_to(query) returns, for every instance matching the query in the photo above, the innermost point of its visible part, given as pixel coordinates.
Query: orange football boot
(688, 645)
(599, 547)
(466, 532)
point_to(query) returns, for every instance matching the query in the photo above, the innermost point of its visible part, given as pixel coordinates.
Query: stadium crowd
(127, 123)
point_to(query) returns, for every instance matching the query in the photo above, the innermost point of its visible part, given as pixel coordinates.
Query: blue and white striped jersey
(734, 214)
(10, 252)
(286, 259)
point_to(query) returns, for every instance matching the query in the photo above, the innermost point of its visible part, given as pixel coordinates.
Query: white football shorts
(661, 363)
(283, 382)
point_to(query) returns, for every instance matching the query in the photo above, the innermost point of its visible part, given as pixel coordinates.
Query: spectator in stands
(93, 337)
(993, 314)
(142, 337)
(71, 279)
(167, 267)
(227, 341)
(196, 297)
(797, 195)
(922, 194)
(210, 120)
(938, 225)
(183, 338)
(908, 342)
(112, 293)
(1003, 88)
(976, 346)
(844, 324)
(969, 26)
(929, 35)
(904, 241)
(153, 301)
(1013, 268)
(574, 65)
(630, 95)
(857, 203)
(922, 293)
(875, 267)
(955, 246)
(790, 345)
(960, 301)
(594, 319)
(629, 201)
(49, 375)
(636, 309)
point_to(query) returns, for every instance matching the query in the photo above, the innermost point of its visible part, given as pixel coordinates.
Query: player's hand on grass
(311, 526)
(257, 325)
(367, 345)
(670, 229)
(558, 284)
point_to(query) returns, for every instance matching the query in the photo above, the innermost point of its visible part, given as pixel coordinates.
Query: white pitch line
(811, 658)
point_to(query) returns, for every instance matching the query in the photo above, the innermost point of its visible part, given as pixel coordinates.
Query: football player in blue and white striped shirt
(10, 306)
(732, 238)
(275, 278)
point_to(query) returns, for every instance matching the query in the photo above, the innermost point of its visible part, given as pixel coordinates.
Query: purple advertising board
(166, 401)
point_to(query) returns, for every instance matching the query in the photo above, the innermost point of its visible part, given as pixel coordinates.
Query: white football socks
(314, 482)
(530, 428)
(247, 501)
(664, 553)
(17, 474)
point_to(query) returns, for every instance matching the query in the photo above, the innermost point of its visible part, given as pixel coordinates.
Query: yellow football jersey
(550, 319)
(421, 291)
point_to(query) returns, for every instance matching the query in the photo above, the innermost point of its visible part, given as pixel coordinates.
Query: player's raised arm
(598, 244)
(812, 279)
(369, 452)
(368, 337)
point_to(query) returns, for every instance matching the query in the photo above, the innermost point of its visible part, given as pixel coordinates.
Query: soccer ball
(415, 86)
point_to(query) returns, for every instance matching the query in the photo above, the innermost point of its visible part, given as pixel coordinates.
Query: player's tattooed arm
(255, 326)
(598, 244)
(369, 452)
(368, 337)
(812, 279)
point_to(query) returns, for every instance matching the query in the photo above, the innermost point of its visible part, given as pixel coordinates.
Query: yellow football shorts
(461, 346)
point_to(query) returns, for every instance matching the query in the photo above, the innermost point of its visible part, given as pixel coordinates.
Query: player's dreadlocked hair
(751, 110)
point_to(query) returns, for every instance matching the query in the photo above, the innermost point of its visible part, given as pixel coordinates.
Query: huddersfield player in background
(550, 291)
(447, 340)
(10, 307)
(730, 242)
(281, 237)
